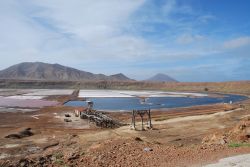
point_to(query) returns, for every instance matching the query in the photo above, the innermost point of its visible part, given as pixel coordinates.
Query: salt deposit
(101, 93)
(26, 97)
(49, 92)
(25, 103)
(125, 93)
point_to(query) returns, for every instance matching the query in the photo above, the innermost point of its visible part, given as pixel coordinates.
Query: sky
(190, 40)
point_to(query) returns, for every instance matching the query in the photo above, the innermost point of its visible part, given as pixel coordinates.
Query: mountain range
(45, 71)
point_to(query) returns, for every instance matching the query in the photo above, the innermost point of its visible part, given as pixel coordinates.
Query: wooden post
(133, 120)
(149, 117)
(142, 127)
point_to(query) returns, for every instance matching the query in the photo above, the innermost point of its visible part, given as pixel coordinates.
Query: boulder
(67, 120)
(147, 149)
(13, 136)
(67, 115)
(24, 133)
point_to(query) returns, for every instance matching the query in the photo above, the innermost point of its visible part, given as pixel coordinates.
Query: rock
(70, 143)
(147, 149)
(243, 138)
(67, 115)
(203, 147)
(180, 145)
(24, 163)
(33, 149)
(222, 141)
(138, 139)
(74, 135)
(67, 120)
(13, 136)
(5, 163)
(42, 160)
(178, 139)
(241, 127)
(25, 133)
(157, 142)
(50, 145)
(53, 158)
(73, 156)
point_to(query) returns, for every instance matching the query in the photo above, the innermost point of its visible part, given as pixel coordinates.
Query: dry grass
(240, 87)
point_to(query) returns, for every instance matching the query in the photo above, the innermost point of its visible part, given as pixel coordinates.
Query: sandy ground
(175, 140)
(180, 135)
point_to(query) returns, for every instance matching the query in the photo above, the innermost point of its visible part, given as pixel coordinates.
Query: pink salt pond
(25, 103)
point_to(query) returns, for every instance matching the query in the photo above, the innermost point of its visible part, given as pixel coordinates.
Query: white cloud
(187, 38)
(45, 29)
(50, 30)
(88, 20)
(237, 42)
(172, 6)
(206, 18)
(69, 31)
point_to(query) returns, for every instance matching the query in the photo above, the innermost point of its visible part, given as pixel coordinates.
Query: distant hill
(120, 76)
(54, 72)
(161, 78)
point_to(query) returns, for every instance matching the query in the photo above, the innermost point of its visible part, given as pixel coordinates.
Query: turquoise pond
(130, 103)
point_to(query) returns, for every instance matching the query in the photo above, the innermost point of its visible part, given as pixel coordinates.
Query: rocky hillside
(45, 71)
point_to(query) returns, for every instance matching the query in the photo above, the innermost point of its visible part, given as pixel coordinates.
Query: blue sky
(190, 40)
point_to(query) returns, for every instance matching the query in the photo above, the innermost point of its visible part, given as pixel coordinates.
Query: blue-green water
(130, 103)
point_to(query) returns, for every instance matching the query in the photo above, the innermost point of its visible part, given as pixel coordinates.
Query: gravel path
(236, 161)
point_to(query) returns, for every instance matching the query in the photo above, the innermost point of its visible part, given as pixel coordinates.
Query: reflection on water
(130, 103)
